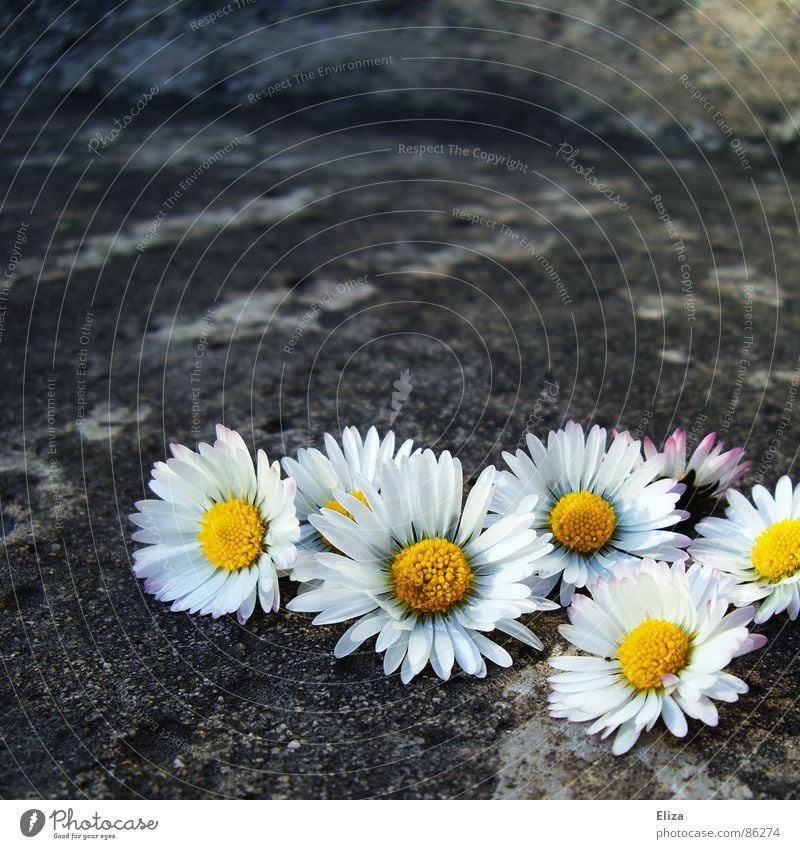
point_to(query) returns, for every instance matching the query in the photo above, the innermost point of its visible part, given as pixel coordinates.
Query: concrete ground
(282, 279)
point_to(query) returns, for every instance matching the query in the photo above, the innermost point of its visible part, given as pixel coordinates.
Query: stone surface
(292, 281)
(721, 75)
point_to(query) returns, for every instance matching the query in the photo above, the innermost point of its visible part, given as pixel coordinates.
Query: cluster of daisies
(381, 537)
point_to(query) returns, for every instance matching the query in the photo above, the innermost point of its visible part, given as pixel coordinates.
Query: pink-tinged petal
(649, 448)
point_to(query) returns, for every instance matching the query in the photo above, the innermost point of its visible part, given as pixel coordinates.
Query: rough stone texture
(108, 693)
(612, 66)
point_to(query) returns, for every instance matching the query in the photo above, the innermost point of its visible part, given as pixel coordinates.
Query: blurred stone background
(524, 214)
(609, 65)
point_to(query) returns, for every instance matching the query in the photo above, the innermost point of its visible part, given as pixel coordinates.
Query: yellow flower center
(776, 554)
(333, 504)
(232, 534)
(431, 575)
(651, 650)
(582, 521)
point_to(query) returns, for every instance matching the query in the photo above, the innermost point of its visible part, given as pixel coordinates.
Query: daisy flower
(660, 637)
(422, 574)
(220, 532)
(319, 475)
(758, 546)
(708, 472)
(601, 503)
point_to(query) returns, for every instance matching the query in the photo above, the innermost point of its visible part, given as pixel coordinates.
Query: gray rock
(721, 75)
(292, 284)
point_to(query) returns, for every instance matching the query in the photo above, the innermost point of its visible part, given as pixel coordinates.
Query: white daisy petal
(350, 468)
(466, 654)
(489, 649)
(615, 717)
(439, 578)
(355, 635)
(442, 655)
(673, 717)
(758, 547)
(395, 654)
(668, 634)
(627, 735)
(579, 663)
(268, 590)
(598, 499)
(389, 635)
(476, 507)
(420, 643)
(247, 607)
(213, 535)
